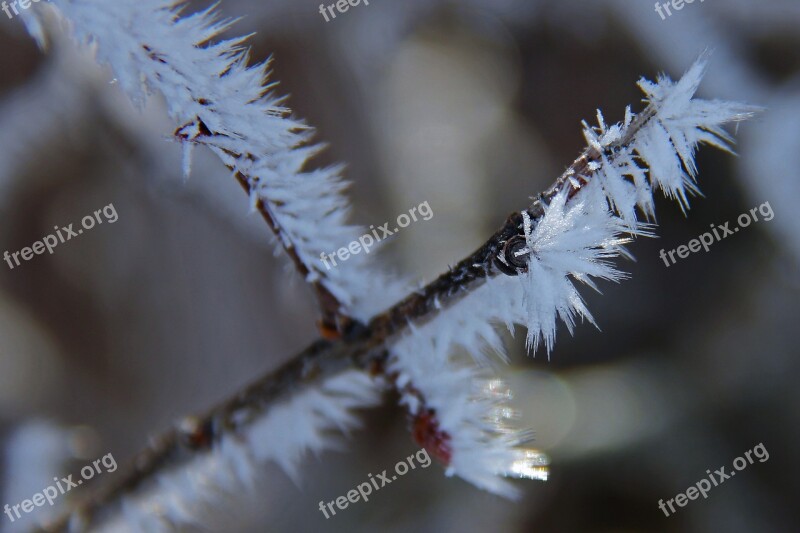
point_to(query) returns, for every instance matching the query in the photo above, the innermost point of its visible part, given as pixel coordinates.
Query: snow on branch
(220, 101)
(186, 493)
(529, 268)
(526, 274)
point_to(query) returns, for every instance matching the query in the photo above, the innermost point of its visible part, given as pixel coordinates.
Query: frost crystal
(220, 102)
(583, 228)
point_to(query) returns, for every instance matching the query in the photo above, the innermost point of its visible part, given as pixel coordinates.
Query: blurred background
(472, 106)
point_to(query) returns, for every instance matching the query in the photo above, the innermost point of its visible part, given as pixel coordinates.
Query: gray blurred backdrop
(472, 106)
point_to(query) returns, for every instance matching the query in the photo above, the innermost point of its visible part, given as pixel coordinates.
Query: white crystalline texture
(209, 87)
(306, 423)
(472, 410)
(576, 239)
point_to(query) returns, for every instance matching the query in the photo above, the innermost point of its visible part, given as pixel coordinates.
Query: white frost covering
(210, 86)
(309, 421)
(471, 409)
(574, 240)
(577, 237)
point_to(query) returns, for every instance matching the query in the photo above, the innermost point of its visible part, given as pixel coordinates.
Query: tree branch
(362, 347)
(333, 321)
(211, 91)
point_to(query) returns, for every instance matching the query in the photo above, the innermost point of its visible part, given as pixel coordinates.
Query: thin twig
(333, 321)
(365, 347)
